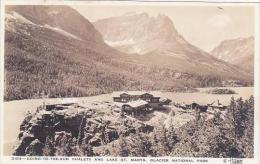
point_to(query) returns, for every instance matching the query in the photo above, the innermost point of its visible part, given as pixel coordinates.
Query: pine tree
(160, 141)
(171, 137)
(123, 150)
(247, 140)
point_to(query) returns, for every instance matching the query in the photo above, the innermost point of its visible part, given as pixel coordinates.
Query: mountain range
(55, 51)
(239, 52)
(157, 40)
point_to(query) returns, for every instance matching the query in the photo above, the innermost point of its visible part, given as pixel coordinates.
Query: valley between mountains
(123, 86)
(56, 52)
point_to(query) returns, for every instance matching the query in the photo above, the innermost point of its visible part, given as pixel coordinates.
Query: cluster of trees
(159, 143)
(29, 73)
(66, 145)
(221, 91)
(229, 136)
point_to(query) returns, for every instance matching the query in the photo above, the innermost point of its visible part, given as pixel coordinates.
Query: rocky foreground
(100, 129)
(97, 126)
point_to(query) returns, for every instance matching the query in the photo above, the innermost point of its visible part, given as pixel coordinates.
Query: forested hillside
(43, 59)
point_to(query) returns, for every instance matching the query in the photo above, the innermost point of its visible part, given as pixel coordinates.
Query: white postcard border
(255, 160)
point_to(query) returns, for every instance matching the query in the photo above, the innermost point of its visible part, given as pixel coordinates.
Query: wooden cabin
(136, 108)
(124, 97)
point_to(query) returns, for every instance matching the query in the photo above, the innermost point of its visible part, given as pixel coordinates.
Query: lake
(14, 111)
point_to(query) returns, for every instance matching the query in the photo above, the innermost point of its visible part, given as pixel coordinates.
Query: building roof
(136, 103)
(154, 93)
(45, 112)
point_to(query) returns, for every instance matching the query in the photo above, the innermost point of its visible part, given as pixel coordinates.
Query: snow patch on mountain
(120, 42)
(18, 17)
(63, 32)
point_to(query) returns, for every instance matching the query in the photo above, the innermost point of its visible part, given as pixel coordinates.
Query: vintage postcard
(129, 81)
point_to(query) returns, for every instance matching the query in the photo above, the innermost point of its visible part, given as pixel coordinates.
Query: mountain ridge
(148, 36)
(50, 58)
(55, 16)
(238, 51)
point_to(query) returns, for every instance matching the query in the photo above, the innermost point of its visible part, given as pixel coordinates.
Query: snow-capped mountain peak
(139, 31)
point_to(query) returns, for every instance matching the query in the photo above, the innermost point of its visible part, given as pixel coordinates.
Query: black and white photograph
(139, 80)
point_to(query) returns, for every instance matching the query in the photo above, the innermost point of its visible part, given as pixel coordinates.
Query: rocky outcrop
(35, 148)
(82, 124)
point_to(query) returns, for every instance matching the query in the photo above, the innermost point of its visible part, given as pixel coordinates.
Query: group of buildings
(137, 103)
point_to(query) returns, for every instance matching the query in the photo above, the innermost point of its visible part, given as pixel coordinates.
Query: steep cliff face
(142, 34)
(75, 123)
(157, 41)
(56, 51)
(139, 33)
(238, 51)
(61, 18)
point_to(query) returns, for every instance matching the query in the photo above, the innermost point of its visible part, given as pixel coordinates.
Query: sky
(202, 26)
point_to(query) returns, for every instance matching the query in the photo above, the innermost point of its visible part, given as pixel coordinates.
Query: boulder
(38, 130)
(25, 141)
(35, 148)
(111, 135)
(95, 141)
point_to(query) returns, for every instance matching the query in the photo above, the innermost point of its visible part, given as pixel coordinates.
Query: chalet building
(204, 107)
(124, 97)
(136, 103)
(136, 108)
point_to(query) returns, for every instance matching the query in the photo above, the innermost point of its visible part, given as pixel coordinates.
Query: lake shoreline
(14, 111)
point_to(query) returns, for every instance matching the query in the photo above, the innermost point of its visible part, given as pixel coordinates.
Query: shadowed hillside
(51, 53)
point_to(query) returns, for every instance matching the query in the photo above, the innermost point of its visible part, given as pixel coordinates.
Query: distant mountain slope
(42, 56)
(157, 41)
(55, 56)
(239, 52)
(59, 17)
(140, 33)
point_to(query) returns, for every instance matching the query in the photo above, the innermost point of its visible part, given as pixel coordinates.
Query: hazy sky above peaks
(203, 26)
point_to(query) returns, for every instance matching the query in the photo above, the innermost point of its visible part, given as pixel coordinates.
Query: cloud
(219, 21)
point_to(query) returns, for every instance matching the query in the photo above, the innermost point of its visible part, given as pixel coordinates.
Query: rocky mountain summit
(239, 52)
(157, 41)
(56, 51)
(139, 33)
